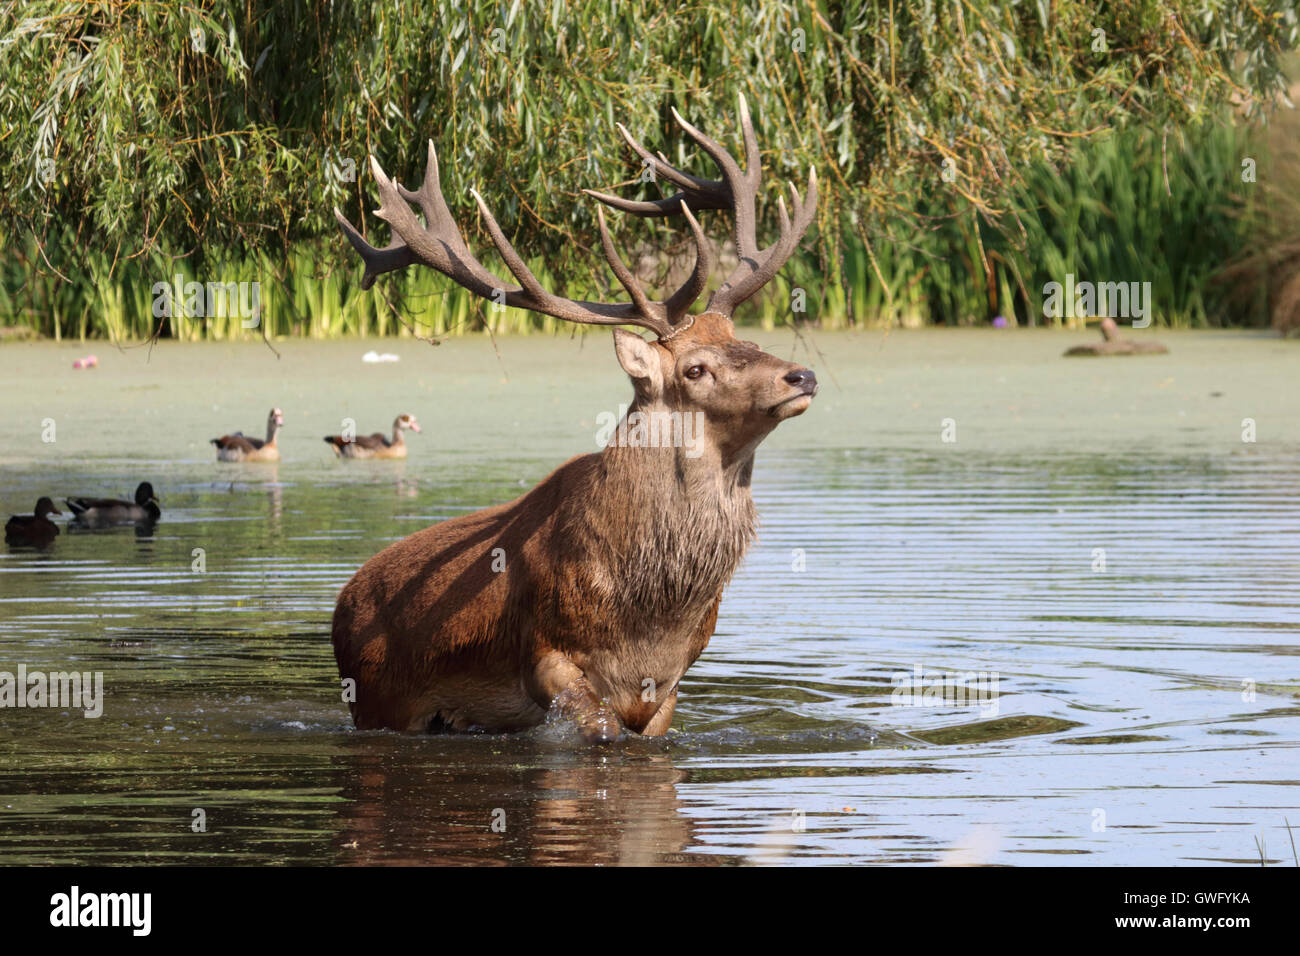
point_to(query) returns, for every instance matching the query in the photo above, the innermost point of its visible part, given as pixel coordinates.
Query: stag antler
(736, 191)
(439, 245)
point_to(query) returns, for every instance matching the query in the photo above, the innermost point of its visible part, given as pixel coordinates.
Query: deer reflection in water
(616, 809)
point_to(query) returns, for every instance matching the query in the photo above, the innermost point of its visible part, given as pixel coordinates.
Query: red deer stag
(594, 592)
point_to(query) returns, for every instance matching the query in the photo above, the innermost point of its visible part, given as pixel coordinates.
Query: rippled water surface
(1098, 539)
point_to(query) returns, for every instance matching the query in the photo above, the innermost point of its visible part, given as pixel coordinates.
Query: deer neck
(670, 523)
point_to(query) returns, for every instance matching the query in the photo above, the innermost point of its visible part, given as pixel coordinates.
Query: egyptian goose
(106, 511)
(376, 445)
(239, 447)
(1114, 344)
(34, 528)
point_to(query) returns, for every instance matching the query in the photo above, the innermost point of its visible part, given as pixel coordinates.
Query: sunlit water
(1145, 710)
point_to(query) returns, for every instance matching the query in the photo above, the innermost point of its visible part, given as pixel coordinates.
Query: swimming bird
(377, 445)
(35, 528)
(1114, 344)
(107, 511)
(239, 447)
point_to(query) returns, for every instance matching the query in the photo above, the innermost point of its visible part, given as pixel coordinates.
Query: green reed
(1130, 205)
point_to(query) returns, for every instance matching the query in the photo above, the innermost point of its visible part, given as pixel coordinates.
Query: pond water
(1098, 539)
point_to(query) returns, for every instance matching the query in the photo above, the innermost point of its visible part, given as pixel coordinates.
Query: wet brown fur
(614, 567)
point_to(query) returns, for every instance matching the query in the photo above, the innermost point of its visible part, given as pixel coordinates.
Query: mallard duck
(106, 511)
(34, 528)
(377, 445)
(239, 447)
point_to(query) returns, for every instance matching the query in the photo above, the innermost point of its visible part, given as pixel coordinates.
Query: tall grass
(1133, 205)
(220, 134)
(311, 295)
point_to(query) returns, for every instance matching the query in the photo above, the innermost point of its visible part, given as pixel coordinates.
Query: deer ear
(641, 362)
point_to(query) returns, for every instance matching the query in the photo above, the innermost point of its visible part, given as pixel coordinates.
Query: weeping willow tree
(145, 139)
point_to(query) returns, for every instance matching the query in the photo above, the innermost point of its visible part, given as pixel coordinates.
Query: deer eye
(694, 372)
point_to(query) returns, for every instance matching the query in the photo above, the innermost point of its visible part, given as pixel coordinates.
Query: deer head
(696, 364)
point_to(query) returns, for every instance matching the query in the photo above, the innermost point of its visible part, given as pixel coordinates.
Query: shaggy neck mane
(669, 528)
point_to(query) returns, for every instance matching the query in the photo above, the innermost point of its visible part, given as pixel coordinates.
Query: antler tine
(514, 262)
(737, 191)
(622, 272)
(658, 208)
(753, 272)
(429, 195)
(756, 267)
(753, 160)
(647, 315)
(676, 305)
(731, 174)
(439, 245)
(680, 301)
(698, 193)
(392, 257)
(662, 167)
(704, 185)
(742, 188)
(397, 254)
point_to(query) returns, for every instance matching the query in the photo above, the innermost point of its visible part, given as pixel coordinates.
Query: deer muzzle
(804, 383)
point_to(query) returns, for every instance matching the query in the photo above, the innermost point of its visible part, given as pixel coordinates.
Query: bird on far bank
(1114, 344)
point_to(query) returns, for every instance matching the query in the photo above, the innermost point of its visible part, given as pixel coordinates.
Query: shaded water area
(1144, 712)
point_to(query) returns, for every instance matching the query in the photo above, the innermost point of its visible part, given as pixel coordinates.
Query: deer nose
(802, 378)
